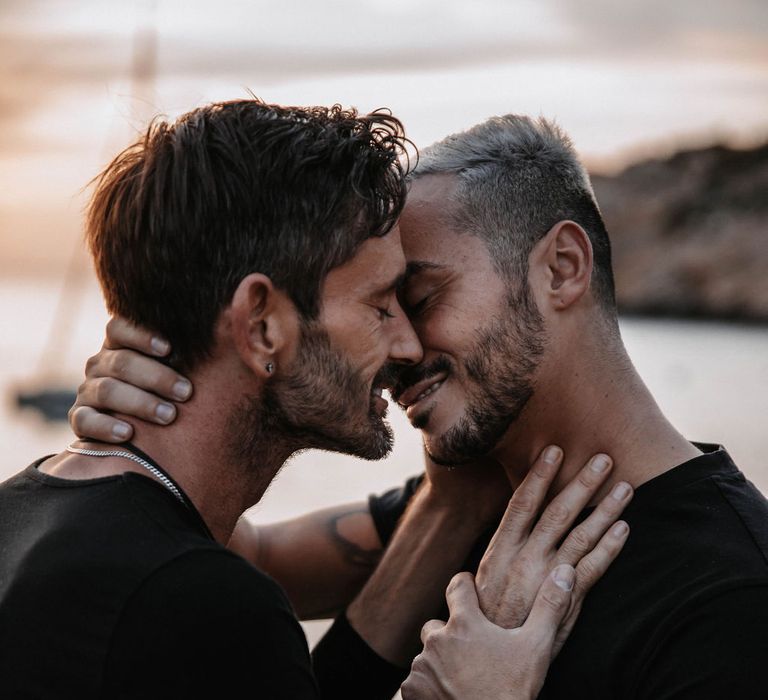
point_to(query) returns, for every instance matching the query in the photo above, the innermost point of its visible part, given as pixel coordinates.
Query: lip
(411, 395)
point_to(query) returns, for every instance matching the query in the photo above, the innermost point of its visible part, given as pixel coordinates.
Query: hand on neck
(196, 451)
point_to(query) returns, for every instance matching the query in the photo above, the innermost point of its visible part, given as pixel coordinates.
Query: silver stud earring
(270, 367)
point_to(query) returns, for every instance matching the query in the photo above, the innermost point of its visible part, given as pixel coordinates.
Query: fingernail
(182, 389)
(620, 491)
(552, 455)
(564, 576)
(164, 412)
(121, 431)
(599, 464)
(620, 529)
(159, 346)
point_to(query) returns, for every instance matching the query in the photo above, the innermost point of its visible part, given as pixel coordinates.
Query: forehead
(430, 233)
(376, 265)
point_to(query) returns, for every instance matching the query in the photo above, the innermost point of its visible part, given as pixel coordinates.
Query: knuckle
(75, 417)
(589, 479)
(588, 572)
(116, 327)
(104, 389)
(523, 503)
(609, 507)
(414, 686)
(91, 364)
(117, 364)
(542, 471)
(579, 541)
(430, 641)
(455, 581)
(555, 516)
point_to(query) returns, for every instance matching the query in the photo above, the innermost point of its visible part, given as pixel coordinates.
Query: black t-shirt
(683, 611)
(111, 588)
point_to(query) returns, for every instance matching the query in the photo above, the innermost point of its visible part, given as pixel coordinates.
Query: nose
(405, 348)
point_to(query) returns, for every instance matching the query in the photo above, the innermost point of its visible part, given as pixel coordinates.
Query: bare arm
(429, 546)
(321, 559)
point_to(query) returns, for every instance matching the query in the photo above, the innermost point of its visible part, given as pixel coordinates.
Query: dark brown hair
(179, 218)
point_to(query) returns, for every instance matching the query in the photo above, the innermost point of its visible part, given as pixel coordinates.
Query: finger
(592, 566)
(143, 372)
(559, 515)
(430, 627)
(417, 685)
(461, 597)
(582, 539)
(110, 394)
(524, 507)
(550, 606)
(121, 333)
(87, 422)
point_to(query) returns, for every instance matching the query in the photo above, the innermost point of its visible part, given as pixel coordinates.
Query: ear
(566, 259)
(263, 322)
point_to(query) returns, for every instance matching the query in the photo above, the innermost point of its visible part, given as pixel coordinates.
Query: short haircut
(517, 177)
(179, 218)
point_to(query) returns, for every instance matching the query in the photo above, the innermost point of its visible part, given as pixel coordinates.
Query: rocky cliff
(690, 233)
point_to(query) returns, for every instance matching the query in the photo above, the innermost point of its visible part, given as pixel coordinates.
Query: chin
(373, 442)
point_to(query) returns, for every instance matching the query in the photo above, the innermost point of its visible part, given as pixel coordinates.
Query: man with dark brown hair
(262, 241)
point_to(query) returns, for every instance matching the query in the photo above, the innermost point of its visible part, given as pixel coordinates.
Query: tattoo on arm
(352, 552)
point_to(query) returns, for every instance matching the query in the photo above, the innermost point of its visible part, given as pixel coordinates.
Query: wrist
(467, 508)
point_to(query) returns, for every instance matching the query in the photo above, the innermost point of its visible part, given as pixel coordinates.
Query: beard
(323, 404)
(500, 367)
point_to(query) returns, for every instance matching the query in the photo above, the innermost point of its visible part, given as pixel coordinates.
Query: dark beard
(501, 365)
(318, 406)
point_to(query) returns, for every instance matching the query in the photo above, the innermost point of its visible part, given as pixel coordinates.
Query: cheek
(360, 341)
(443, 331)
(450, 405)
(445, 334)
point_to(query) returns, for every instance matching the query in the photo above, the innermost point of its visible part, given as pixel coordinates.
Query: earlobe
(570, 259)
(258, 316)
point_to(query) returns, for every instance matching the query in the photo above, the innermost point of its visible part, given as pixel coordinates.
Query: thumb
(551, 605)
(461, 596)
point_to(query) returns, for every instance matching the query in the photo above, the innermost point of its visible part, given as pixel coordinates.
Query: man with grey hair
(510, 291)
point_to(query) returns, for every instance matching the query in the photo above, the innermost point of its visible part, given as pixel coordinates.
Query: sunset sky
(623, 78)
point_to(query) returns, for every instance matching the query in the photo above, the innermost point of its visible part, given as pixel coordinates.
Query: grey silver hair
(517, 177)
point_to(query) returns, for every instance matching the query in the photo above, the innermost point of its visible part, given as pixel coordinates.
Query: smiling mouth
(421, 390)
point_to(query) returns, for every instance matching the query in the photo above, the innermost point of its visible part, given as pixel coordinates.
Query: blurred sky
(79, 77)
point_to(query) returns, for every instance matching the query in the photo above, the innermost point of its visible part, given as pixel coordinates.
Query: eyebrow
(395, 285)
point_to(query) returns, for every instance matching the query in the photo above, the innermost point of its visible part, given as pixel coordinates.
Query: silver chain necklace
(162, 478)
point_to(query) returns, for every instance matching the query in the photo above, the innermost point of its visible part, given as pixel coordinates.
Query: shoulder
(714, 646)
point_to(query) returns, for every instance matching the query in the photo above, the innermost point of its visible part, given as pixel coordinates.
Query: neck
(203, 452)
(599, 406)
